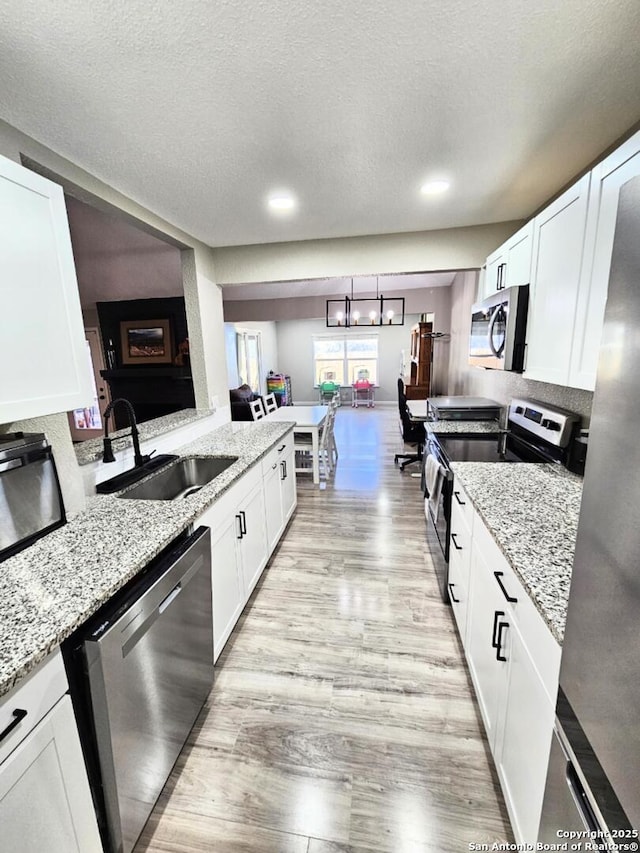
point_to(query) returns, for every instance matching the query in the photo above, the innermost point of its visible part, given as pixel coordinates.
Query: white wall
(420, 251)
(497, 384)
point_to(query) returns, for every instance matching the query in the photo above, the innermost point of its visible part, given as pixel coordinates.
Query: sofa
(240, 399)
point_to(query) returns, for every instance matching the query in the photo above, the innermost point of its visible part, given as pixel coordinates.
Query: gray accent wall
(496, 384)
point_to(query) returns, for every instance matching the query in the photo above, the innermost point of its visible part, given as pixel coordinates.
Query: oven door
(438, 529)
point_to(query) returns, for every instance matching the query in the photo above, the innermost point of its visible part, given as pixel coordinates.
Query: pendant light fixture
(381, 311)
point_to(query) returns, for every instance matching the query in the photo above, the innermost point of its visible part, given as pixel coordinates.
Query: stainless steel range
(536, 432)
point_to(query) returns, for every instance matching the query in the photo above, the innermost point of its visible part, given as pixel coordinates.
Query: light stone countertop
(52, 587)
(532, 511)
(461, 427)
(91, 450)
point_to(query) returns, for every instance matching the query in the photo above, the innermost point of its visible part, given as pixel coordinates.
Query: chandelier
(378, 311)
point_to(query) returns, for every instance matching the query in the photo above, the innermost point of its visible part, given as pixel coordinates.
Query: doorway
(89, 422)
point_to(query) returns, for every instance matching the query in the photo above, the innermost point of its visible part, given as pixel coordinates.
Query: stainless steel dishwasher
(140, 671)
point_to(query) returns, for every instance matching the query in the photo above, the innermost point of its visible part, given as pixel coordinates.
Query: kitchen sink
(181, 479)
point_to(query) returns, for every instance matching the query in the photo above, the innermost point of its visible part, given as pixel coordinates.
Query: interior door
(89, 422)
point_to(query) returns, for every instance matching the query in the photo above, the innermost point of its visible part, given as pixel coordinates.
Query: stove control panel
(553, 424)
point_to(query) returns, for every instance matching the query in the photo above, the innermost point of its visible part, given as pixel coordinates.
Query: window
(250, 360)
(345, 360)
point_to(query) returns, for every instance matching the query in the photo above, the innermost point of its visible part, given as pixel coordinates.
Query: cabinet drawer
(461, 506)
(544, 649)
(36, 694)
(277, 453)
(459, 571)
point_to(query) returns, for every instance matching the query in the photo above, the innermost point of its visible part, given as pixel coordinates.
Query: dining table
(307, 420)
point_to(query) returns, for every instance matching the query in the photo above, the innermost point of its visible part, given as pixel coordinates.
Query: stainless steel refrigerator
(594, 773)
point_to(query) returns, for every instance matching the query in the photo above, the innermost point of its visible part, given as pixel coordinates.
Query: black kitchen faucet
(107, 455)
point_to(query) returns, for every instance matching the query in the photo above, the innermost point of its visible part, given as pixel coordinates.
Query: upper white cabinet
(606, 180)
(510, 264)
(558, 243)
(44, 367)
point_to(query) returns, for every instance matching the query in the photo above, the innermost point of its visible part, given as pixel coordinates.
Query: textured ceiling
(199, 109)
(362, 285)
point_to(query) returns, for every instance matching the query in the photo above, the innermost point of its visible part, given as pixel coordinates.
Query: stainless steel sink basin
(181, 479)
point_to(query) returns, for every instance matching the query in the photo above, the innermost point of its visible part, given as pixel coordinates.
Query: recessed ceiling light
(282, 202)
(434, 187)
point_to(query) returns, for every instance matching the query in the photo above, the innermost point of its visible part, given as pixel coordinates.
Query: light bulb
(339, 317)
(389, 316)
(356, 317)
(372, 316)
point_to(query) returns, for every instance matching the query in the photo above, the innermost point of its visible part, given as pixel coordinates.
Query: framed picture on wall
(146, 341)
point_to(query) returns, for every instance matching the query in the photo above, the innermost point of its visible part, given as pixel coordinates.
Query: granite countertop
(52, 587)
(462, 427)
(91, 450)
(532, 511)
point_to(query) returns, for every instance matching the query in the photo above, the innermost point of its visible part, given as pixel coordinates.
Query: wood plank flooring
(342, 719)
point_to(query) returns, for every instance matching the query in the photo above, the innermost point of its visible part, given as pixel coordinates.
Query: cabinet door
(228, 597)
(606, 180)
(558, 241)
(253, 544)
(273, 505)
(43, 361)
(289, 493)
(45, 801)
(519, 249)
(488, 638)
(523, 755)
(494, 275)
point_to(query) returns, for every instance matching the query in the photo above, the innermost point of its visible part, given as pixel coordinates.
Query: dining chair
(302, 444)
(257, 409)
(270, 403)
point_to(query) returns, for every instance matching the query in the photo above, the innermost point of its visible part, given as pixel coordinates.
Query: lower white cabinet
(246, 524)
(514, 662)
(522, 755)
(280, 495)
(45, 800)
(488, 647)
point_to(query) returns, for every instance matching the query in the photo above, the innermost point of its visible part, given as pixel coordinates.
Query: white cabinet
(606, 180)
(238, 551)
(280, 494)
(510, 264)
(523, 754)
(514, 663)
(487, 650)
(45, 801)
(252, 542)
(44, 367)
(494, 273)
(518, 254)
(558, 243)
(228, 596)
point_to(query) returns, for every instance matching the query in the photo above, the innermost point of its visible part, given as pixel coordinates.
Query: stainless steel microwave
(498, 330)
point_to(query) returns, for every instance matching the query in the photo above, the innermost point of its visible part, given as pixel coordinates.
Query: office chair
(412, 431)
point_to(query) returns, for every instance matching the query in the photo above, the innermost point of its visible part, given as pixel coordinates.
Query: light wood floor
(342, 719)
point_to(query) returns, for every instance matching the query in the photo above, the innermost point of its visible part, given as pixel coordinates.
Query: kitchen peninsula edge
(55, 585)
